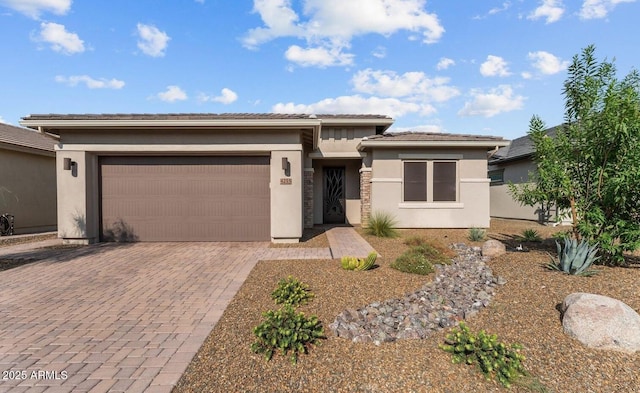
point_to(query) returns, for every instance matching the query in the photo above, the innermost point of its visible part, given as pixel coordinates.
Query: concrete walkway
(123, 317)
(346, 241)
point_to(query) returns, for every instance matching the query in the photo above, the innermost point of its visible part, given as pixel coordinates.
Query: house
(28, 179)
(257, 177)
(513, 164)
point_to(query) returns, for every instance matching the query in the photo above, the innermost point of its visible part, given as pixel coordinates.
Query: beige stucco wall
(78, 190)
(352, 188)
(28, 189)
(471, 208)
(502, 203)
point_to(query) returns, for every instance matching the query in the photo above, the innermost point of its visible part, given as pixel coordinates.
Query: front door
(334, 202)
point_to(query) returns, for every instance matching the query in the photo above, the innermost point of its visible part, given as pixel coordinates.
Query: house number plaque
(285, 181)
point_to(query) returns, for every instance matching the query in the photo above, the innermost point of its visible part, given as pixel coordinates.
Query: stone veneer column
(365, 196)
(308, 197)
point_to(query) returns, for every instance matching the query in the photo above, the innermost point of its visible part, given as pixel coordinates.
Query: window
(496, 176)
(444, 181)
(430, 181)
(415, 181)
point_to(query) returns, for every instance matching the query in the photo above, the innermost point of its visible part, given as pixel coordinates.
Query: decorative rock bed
(457, 292)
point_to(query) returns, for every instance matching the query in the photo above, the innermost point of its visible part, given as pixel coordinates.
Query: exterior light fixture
(68, 164)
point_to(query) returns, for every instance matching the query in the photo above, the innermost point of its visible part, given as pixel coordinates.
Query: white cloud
(495, 101)
(172, 94)
(331, 24)
(356, 104)
(496, 10)
(319, 57)
(380, 52)
(597, 9)
(552, 10)
(33, 8)
(3, 120)
(59, 38)
(547, 63)
(526, 75)
(445, 63)
(416, 86)
(227, 96)
(152, 41)
(494, 66)
(90, 82)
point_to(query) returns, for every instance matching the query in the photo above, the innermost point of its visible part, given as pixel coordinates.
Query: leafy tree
(592, 165)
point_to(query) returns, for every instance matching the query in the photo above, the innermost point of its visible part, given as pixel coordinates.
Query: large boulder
(493, 248)
(601, 322)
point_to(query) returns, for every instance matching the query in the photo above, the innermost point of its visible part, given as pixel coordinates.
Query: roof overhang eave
(53, 126)
(409, 144)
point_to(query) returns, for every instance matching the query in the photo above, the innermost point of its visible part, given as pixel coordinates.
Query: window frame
(429, 182)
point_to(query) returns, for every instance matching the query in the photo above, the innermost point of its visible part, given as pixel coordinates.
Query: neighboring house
(28, 179)
(257, 177)
(514, 163)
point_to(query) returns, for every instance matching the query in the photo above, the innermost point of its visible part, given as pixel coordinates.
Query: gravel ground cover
(524, 311)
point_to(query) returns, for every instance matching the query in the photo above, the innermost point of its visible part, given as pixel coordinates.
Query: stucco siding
(471, 209)
(78, 190)
(343, 139)
(28, 190)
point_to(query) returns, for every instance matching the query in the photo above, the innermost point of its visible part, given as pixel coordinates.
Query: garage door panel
(187, 198)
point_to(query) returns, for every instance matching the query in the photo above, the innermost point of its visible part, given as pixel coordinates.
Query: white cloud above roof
(598, 9)
(59, 39)
(445, 63)
(546, 63)
(551, 10)
(318, 56)
(414, 85)
(226, 97)
(172, 94)
(34, 8)
(494, 66)
(355, 104)
(152, 41)
(493, 102)
(90, 82)
(330, 25)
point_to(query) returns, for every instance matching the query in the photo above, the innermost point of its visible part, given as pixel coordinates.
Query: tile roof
(199, 116)
(519, 148)
(24, 137)
(431, 136)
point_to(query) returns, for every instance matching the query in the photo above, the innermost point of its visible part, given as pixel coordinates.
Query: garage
(184, 198)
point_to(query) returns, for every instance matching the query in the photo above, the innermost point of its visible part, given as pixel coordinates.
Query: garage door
(185, 198)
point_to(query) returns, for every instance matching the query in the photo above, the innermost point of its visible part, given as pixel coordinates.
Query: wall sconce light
(286, 166)
(68, 164)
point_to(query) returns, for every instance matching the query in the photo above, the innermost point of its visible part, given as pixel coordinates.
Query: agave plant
(575, 258)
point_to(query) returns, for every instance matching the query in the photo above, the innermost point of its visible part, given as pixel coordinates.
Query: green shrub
(359, 264)
(574, 258)
(381, 225)
(493, 358)
(561, 235)
(530, 235)
(476, 234)
(413, 261)
(414, 241)
(420, 259)
(286, 330)
(292, 292)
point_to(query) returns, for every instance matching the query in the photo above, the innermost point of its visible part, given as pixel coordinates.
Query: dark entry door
(334, 202)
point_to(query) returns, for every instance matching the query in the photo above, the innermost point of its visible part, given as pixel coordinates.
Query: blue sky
(475, 67)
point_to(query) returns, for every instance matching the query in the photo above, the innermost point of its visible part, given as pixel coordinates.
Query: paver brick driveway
(115, 317)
